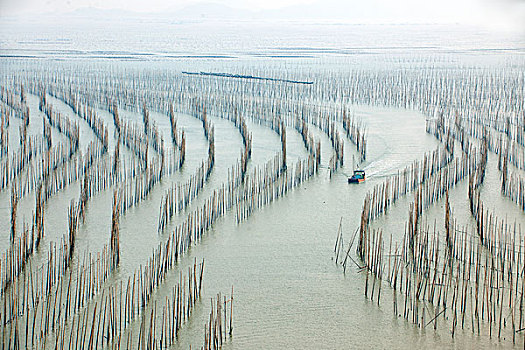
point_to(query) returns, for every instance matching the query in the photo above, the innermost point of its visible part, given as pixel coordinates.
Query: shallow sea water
(288, 291)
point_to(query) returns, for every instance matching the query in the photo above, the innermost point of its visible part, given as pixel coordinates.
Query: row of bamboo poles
(355, 131)
(220, 323)
(327, 124)
(337, 159)
(312, 146)
(267, 184)
(177, 198)
(178, 139)
(176, 311)
(240, 122)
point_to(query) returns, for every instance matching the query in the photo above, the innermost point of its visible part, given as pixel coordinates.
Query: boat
(359, 176)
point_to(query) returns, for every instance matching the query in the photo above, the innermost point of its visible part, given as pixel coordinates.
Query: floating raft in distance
(239, 76)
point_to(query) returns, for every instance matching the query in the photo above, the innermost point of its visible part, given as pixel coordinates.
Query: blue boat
(359, 176)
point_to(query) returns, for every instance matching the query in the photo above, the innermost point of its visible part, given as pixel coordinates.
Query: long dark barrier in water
(239, 76)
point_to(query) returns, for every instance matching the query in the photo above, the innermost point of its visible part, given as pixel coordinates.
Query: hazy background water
(151, 39)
